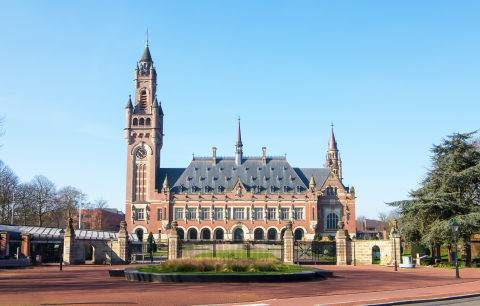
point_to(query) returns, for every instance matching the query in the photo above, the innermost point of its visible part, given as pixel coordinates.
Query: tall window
(159, 214)
(140, 214)
(192, 213)
(258, 213)
(284, 213)
(205, 214)
(178, 213)
(332, 221)
(143, 100)
(229, 213)
(147, 122)
(218, 214)
(298, 214)
(271, 214)
(238, 214)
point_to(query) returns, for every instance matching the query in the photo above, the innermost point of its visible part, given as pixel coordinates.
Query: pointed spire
(165, 183)
(239, 135)
(129, 103)
(160, 110)
(155, 103)
(332, 144)
(312, 183)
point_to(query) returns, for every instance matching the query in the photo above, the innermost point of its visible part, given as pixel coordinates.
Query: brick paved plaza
(91, 285)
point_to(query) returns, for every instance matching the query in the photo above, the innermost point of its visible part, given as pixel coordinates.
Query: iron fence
(315, 252)
(230, 249)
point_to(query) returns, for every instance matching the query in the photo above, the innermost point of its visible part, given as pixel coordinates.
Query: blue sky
(394, 77)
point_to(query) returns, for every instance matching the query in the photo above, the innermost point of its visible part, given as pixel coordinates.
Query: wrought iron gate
(315, 252)
(230, 249)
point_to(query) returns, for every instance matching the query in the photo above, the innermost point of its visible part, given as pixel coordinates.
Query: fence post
(173, 242)
(341, 241)
(288, 243)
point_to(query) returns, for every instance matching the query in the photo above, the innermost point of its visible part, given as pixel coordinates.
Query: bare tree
(98, 217)
(44, 198)
(24, 204)
(361, 219)
(8, 183)
(386, 220)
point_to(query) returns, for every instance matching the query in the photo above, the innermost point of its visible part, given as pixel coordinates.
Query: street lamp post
(454, 226)
(395, 236)
(62, 233)
(111, 250)
(354, 253)
(13, 205)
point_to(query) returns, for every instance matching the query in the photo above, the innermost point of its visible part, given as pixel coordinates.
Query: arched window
(206, 234)
(258, 234)
(135, 121)
(332, 221)
(142, 121)
(180, 233)
(272, 234)
(147, 122)
(143, 100)
(238, 234)
(282, 233)
(139, 233)
(298, 234)
(192, 234)
(219, 234)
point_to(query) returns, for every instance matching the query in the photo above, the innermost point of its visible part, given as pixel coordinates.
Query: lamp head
(395, 234)
(354, 238)
(62, 232)
(454, 226)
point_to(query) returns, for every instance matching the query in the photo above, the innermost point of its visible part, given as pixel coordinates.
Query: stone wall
(364, 249)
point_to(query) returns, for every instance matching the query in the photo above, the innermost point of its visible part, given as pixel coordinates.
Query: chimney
(214, 159)
(264, 159)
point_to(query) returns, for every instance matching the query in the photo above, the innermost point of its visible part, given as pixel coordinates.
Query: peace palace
(224, 198)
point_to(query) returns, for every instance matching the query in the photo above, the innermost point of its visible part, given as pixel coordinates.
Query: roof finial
(332, 125)
(239, 135)
(146, 41)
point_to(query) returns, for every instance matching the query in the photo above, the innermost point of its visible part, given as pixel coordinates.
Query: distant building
(366, 229)
(100, 219)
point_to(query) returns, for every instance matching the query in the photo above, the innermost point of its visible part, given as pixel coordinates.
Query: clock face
(141, 153)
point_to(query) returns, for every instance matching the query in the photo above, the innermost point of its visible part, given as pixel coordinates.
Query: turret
(333, 160)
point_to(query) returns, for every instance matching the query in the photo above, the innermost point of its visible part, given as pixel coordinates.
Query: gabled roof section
(319, 175)
(203, 176)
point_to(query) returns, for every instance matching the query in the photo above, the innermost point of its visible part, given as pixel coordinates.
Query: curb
(448, 298)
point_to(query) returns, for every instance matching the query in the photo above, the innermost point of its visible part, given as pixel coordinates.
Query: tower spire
(146, 57)
(332, 144)
(239, 145)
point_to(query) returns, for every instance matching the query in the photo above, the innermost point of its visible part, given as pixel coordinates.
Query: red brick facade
(99, 220)
(151, 201)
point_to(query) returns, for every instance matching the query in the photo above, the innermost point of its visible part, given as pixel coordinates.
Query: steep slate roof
(264, 176)
(53, 233)
(146, 57)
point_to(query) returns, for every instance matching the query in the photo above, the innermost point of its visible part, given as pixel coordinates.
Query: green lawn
(292, 269)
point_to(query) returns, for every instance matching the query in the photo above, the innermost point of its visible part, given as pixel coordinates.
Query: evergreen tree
(151, 246)
(450, 191)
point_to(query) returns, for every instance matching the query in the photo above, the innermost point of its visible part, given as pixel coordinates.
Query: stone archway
(192, 234)
(375, 255)
(206, 234)
(238, 234)
(258, 234)
(180, 233)
(219, 234)
(89, 254)
(299, 234)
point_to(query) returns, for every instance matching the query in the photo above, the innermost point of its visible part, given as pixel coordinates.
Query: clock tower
(144, 137)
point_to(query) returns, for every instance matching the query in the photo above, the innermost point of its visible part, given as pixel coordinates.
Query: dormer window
(219, 189)
(298, 189)
(180, 189)
(284, 189)
(193, 189)
(278, 179)
(272, 189)
(205, 189)
(291, 179)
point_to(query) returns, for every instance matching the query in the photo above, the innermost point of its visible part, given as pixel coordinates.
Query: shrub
(330, 237)
(222, 265)
(317, 237)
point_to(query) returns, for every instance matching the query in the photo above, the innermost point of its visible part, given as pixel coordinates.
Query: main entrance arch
(238, 234)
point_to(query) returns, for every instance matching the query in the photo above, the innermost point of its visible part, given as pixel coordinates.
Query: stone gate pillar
(341, 241)
(288, 244)
(69, 251)
(173, 242)
(123, 243)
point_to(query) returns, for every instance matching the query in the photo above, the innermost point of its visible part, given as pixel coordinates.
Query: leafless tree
(386, 220)
(44, 199)
(361, 219)
(24, 204)
(8, 183)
